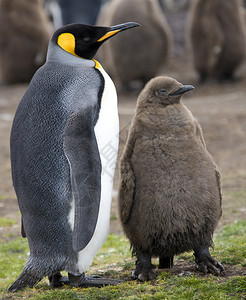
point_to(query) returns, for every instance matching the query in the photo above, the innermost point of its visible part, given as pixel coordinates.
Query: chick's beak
(182, 90)
(116, 29)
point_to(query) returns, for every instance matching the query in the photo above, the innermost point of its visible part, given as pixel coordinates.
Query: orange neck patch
(97, 64)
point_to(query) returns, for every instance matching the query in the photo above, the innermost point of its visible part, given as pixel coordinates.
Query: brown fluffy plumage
(217, 37)
(24, 37)
(170, 195)
(138, 56)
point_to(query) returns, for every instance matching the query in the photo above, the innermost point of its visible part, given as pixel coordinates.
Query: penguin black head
(84, 40)
(164, 90)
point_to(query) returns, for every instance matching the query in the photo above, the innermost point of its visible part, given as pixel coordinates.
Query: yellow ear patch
(67, 42)
(107, 35)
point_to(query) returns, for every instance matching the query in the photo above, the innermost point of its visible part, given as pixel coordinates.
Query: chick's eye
(162, 92)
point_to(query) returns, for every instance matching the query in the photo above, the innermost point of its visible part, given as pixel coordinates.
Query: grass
(234, 201)
(232, 243)
(114, 260)
(6, 222)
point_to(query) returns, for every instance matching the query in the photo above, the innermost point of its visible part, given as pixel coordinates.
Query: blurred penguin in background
(54, 12)
(24, 38)
(64, 12)
(174, 5)
(134, 59)
(217, 37)
(176, 14)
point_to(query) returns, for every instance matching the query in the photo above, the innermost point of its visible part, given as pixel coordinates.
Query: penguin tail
(26, 279)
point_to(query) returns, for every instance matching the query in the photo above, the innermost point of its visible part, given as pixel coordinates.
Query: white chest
(107, 127)
(107, 135)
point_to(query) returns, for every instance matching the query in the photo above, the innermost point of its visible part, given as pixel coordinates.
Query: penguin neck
(58, 55)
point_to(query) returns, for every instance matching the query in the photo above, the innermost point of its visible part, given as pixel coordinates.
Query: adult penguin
(170, 194)
(63, 127)
(217, 36)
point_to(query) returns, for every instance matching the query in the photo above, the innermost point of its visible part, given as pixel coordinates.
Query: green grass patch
(113, 217)
(114, 260)
(231, 244)
(6, 222)
(13, 255)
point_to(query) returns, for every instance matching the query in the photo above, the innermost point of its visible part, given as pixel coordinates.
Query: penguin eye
(162, 92)
(86, 39)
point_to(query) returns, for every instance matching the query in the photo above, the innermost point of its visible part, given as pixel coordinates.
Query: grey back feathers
(170, 195)
(138, 56)
(24, 38)
(217, 35)
(67, 101)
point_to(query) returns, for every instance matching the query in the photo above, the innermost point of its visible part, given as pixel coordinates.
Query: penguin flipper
(127, 183)
(81, 150)
(199, 133)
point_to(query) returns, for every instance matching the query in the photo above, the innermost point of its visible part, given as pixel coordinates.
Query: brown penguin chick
(169, 194)
(217, 38)
(24, 37)
(135, 57)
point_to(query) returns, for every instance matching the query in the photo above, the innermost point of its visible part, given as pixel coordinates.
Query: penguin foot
(57, 280)
(143, 274)
(25, 279)
(91, 281)
(206, 263)
(144, 268)
(165, 262)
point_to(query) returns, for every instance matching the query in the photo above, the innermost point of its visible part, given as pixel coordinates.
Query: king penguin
(170, 194)
(217, 38)
(62, 175)
(24, 36)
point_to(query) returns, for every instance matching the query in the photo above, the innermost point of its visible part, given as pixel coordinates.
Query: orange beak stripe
(107, 35)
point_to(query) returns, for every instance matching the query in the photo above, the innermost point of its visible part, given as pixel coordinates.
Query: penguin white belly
(107, 135)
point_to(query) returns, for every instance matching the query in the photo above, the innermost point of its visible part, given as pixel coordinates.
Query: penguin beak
(116, 29)
(182, 90)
